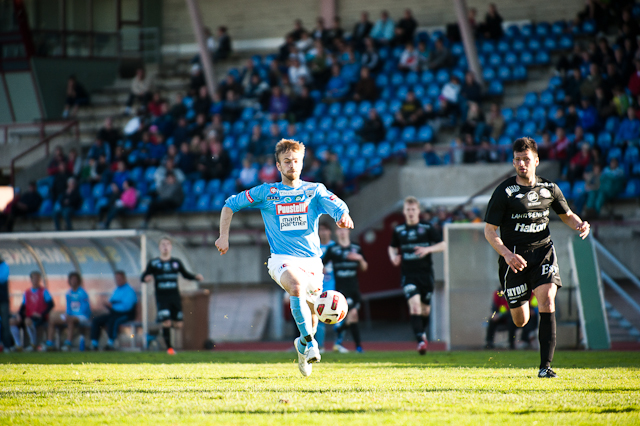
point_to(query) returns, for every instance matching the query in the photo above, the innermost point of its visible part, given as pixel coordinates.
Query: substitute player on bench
(411, 246)
(291, 210)
(164, 271)
(520, 207)
(347, 259)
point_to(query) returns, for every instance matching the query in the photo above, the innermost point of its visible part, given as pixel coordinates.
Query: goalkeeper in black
(164, 271)
(520, 206)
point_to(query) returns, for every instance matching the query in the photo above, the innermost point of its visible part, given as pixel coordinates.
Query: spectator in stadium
(591, 185)
(495, 121)
(337, 87)
(545, 148)
(405, 29)
(224, 44)
(474, 119)
(612, 183)
(22, 205)
(232, 108)
(298, 30)
(471, 90)
(370, 57)
(202, 103)
(571, 85)
(5, 313)
(185, 161)
(77, 314)
(278, 104)
(470, 155)
(485, 153)
(168, 167)
(589, 84)
(431, 158)
(500, 316)
(593, 11)
(77, 96)
(571, 118)
(268, 172)
(450, 98)
(333, 174)
(59, 184)
(57, 158)
(603, 104)
(634, 80)
(154, 107)
(248, 177)
(168, 197)
(257, 91)
(302, 106)
(336, 32)
(439, 57)
(588, 117)
(99, 148)
(121, 307)
(629, 130)
(561, 148)
(320, 32)
(67, 204)
(373, 129)
(409, 60)
(74, 163)
(221, 165)
(361, 30)
(365, 88)
(567, 63)
(305, 43)
(383, 30)
(33, 313)
(579, 162)
(492, 28)
(140, 90)
(410, 112)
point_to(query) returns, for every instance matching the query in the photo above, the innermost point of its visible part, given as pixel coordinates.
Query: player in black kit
(164, 271)
(411, 246)
(520, 206)
(347, 259)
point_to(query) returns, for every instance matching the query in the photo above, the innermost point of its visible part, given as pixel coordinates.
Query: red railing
(44, 141)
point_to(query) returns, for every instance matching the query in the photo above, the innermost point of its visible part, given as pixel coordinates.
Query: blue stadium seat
(590, 138)
(611, 124)
(503, 46)
(399, 148)
(488, 74)
(326, 123)
(539, 114)
(409, 134)
(546, 98)
(433, 91)
(631, 155)
(247, 114)
(143, 205)
(382, 80)
(229, 142)
(387, 120)
(335, 109)
(510, 58)
(526, 58)
(504, 73)
(229, 186)
(558, 27)
(578, 188)
(542, 58)
(560, 96)
(319, 110)
(565, 187)
(412, 78)
(534, 45)
(526, 30)
(495, 59)
(504, 140)
(519, 72)
(334, 137)
(358, 167)
(588, 27)
(102, 202)
(310, 124)
(213, 187)
(318, 138)
(85, 190)
(348, 136)
(341, 123)
(217, 202)
(555, 82)
(513, 129)
(243, 141)
(148, 173)
(384, 150)
(427, 77)
(394, 106)
(352, 151)
(199, 187)
(529, 128)
(350, 108)
(419, 91)
(604, 140)
(550, 43)
(397, 79)
(523, 113)
(393, 134)
(508, 114)
(322, 151)
(364, 107)
(238, 127)
(374, 166)
(401, 92)
(442, 76)
(487, 46)
(615, 152)
(543, 29)
(356, 122)
(186, 187)
(368, 150)
(457, 49)
(87, 207)
(425, 133)
(632, 189)
(459, 72)
(512, 31)
(338, 149)
(463, 63)
(46, 208)
(495, 88)
(518, 45)
(98, 190)
(565, 42)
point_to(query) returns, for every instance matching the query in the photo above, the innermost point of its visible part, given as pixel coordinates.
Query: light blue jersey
(291, 215)
(78, 303)
(329, 282)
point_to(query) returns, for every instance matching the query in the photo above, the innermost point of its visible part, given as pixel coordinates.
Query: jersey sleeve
(326, 257)
(395, 241)
(188, 275)
(435, 235)
(253, 197)
(496, 207)
(47, 296)
(559, 203)
(330, 204)
(146, 272)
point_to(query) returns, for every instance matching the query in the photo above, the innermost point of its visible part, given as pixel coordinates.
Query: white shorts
(82, 320)
(311, 266)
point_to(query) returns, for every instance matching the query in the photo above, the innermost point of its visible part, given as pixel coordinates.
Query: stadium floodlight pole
(205, 55)
(468, 39)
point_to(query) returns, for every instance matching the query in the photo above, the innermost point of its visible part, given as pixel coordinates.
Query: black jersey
(406, 238)
(345, 271)
(165, 274)
(522, 212)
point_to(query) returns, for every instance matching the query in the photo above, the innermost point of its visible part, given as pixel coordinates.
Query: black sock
(355, 332)
(166, 333)
(416, 324)
(547, 338)
(426, 320)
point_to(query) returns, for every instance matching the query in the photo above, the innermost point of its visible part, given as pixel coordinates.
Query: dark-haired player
(164, 271)
(520, 206)
(347, 259)
(411, 246)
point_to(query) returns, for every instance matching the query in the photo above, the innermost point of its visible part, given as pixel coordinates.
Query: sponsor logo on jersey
(512, 189)
(520, 196)
(546, 184)
(287, 199)
(248, 196)
(293, 222)
(175, 265)
(309, 192)
(532, 196)
(272, 198)
(292, 208)
(291, 192)
(299, 198)
(333, 197)
(530, 215)
(273, 190)
(548, 269)
(516, 291)
(544, 192)
(531, 228)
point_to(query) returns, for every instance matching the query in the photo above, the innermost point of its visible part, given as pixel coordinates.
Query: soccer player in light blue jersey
(291, 210)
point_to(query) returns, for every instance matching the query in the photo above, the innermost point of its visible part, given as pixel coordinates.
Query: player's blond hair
(286, 145)
(412, 200)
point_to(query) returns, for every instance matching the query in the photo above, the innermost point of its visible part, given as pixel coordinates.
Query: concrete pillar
(205, 56)
(328, 9)
(468, 39)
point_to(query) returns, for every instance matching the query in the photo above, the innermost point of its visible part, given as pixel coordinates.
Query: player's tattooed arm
(573, 221)
(515, 261)
(222, 243)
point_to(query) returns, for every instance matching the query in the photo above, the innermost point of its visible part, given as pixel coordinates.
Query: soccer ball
(331, 307)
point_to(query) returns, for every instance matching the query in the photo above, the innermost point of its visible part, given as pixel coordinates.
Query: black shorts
(354, 299)
(542, 268)
(169, 308)
(418, 284)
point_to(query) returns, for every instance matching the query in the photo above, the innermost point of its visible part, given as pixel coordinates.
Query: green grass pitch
(443, 388)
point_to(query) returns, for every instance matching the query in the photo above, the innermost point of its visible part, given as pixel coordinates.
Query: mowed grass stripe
(266, 388)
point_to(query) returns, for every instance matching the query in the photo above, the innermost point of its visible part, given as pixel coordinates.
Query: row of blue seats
(572, 192)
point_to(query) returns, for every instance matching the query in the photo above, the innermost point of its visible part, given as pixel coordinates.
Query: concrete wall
(5, 108)
(23, 96)
(256, 19)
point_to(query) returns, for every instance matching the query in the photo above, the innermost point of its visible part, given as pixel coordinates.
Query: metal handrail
(620, 291)
(41, 125)
(611, 258)
(45, 142)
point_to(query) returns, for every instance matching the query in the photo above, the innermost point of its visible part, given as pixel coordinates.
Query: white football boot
(303, 365)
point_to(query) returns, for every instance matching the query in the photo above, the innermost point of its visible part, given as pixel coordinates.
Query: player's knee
(27, 321)
(520, 322)
(166, 324)
(548, 305)
(177, 324)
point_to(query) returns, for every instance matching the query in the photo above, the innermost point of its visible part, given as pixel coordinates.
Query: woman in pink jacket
(127, 202)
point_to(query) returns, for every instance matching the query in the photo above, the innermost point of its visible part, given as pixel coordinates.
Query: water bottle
(81, 344)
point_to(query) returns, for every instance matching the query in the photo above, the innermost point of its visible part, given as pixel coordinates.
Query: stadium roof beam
(468, 39)
(205, 55)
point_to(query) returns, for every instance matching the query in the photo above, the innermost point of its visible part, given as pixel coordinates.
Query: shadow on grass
(468, 359)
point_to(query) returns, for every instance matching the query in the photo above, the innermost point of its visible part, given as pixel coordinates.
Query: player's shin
(166, 334)
(302, 316)
(355, 332)
(547, 338)
(417, 326)
(426, 322)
